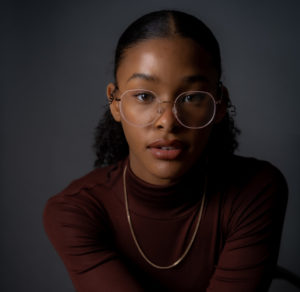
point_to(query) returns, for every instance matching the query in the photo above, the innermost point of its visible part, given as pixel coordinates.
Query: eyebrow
(143, 76)
(195, 78)
(186, 79)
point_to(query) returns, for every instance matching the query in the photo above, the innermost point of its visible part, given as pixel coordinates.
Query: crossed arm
(244, 265)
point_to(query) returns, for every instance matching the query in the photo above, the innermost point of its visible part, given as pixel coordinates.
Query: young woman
(169, 206)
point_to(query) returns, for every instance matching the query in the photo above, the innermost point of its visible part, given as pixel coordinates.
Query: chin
(168, 170)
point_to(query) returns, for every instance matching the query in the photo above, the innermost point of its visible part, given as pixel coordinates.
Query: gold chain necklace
(135, 239)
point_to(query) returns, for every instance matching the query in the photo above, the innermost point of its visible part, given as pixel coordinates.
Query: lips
(166, 149)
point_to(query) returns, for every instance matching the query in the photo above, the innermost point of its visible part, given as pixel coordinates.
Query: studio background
(56, 59)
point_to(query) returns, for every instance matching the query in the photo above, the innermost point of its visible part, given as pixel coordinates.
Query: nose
(166, 118)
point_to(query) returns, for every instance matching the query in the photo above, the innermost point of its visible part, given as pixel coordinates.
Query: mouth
(166, 149)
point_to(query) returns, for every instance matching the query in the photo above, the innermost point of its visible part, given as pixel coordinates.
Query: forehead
(169, 60)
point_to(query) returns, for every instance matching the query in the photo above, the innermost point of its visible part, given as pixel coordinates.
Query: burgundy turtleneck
(235, 248)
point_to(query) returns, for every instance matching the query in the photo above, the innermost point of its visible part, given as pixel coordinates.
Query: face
(162, 152)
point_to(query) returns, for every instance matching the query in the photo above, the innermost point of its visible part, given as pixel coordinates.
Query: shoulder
(103, 177)
(247, 184)
(83, 197)
(253, 189)
(97, 177)
(242, 171)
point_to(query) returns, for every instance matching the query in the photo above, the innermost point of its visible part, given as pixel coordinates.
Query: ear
(222, 107)
(113, 104)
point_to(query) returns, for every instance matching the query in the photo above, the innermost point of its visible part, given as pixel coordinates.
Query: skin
(167, 66)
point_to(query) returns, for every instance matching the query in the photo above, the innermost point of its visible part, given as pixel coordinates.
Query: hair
(110, 142)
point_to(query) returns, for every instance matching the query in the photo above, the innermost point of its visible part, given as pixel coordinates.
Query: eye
(195, 98)
(144, 97)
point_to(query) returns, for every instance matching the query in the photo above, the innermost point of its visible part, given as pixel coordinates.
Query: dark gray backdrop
(56, 58)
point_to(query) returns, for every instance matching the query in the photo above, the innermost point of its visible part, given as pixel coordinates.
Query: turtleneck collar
(164, 202)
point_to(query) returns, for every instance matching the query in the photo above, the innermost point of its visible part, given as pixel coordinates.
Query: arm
(249, 256)
(85, 247)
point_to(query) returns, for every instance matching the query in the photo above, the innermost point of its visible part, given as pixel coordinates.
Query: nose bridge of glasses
(162, 109)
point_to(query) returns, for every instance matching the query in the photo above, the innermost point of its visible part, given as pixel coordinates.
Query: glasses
(192, 109)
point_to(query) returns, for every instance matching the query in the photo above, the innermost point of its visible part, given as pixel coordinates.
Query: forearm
(87, 251)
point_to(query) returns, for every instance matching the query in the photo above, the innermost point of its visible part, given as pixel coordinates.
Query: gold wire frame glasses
(192, 109)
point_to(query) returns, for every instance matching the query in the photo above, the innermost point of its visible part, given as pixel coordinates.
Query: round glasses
(192, 109)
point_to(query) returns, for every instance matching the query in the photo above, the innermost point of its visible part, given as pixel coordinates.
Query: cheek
(200, 139)
(134, 136)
